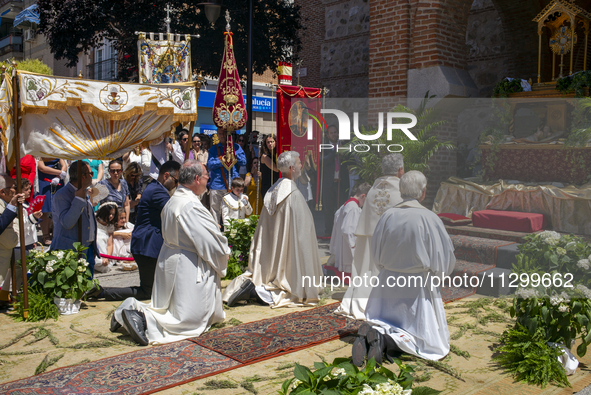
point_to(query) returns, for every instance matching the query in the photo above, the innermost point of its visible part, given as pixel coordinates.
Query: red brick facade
(415, 35)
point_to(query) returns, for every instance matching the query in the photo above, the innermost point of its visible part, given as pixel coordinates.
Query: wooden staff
(17, 158)
(190, 136)
(79, 169)
(260, 140)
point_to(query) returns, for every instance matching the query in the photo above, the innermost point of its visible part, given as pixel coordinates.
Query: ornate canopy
(562, 18)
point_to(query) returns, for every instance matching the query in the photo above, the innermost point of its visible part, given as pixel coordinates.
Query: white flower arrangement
(586, 291)
(583, 264)
(527, 293)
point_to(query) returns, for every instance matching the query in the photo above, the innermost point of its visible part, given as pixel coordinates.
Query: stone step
(507, 256)
(495, 283)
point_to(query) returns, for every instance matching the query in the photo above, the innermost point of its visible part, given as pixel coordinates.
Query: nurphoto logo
(345, 130)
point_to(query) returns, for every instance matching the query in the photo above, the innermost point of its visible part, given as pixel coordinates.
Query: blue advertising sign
(208, 129)
(259, 103)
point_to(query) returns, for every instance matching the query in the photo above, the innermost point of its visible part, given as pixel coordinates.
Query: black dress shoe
(135, 322)
(114, 324)
(93, 292)
(243, 293)
(377, 346)
(360, 345)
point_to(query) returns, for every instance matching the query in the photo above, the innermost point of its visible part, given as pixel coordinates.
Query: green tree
(416, 152)
(32, 65)
(74, 26)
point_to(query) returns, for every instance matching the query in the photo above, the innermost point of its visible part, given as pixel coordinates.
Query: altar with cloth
(537, 163)
(568, 209)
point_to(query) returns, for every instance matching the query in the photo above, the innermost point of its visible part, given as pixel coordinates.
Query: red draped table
(538, 163)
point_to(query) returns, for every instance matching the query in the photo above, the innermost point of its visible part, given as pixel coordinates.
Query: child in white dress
(105, 219)
(235, 205)
(122, 241)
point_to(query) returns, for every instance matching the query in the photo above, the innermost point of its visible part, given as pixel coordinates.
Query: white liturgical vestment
(284, 252)
(186, 298)
(342, 240)
(410, 244)
(383, 195)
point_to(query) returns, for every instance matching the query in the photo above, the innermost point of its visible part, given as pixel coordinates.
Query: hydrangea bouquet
(239, 234)
(553, 274)
(60, 273)
(343, 377)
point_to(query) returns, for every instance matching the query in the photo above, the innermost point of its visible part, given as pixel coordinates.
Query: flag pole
(17, 165)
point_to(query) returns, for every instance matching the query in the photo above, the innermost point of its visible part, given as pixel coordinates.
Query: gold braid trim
(112, 116)
(299, 90)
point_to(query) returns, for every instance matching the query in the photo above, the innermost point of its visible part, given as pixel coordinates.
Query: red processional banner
(298, 108)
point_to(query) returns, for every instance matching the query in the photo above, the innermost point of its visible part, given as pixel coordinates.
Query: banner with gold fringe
(73, 118)
(164, 60)
(229, 111)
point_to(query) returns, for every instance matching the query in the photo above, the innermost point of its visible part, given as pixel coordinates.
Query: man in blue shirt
(220, 178)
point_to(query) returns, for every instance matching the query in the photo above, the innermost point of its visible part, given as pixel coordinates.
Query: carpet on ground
(271, 337)
(473, 255)
(156, 368)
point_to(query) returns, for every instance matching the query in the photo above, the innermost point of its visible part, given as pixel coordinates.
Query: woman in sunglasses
(198, 152)
(117, 187)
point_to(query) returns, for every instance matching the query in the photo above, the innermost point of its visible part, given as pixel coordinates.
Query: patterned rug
(484, 233)
(154, 369)
(473, 255)
(272, 337)
(477, 249)
(146, 371)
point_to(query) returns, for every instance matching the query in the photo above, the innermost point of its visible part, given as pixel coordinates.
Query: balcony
(12, 45)
(104, 71)
(10, 8)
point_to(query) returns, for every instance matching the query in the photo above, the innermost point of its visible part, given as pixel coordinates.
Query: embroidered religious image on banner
(297, 109)
(163, 61)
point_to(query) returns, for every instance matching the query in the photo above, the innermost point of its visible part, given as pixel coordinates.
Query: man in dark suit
(335, 179)
(146, 239)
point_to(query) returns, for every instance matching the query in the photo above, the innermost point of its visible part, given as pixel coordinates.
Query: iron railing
(105, 70)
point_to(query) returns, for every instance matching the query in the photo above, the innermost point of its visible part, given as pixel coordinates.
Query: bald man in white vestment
(383, 194)
(284, 267)
(343, 239)
(410, 244)
(186, 298)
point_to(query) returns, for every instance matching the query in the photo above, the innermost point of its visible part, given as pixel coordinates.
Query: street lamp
(212, 12)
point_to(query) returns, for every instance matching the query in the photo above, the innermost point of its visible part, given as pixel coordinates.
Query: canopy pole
(79, 186)
(17, 165)
(190, 141)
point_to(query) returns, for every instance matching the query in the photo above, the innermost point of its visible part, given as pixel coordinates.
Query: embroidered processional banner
(229, 111)
(73, 118)
(297, 109)
(164, 60)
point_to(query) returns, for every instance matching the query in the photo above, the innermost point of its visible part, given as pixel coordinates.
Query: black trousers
(147, 268)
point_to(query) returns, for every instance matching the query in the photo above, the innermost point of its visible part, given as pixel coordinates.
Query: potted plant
(61, 275)
(239, 234)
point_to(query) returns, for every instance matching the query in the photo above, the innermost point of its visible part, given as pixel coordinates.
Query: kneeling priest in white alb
(410, 247)
(186, 298)
(343, 239)
(284, 267)
(383, 194)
